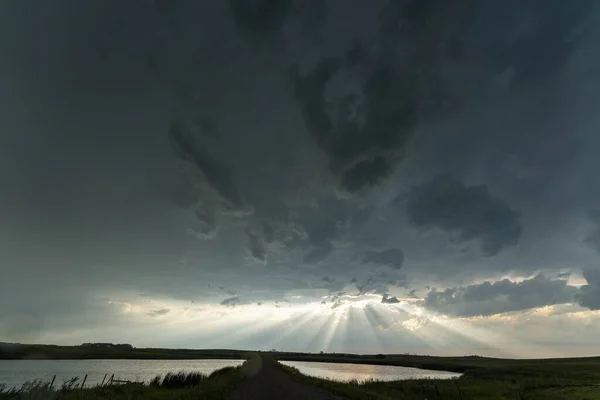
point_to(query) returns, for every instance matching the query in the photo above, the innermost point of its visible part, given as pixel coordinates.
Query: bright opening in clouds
(358, 176)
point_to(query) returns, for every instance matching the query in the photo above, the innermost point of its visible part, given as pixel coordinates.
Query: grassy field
(452, 364)
(483, 378)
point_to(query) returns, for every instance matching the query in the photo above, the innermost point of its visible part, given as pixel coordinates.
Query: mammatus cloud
(489, 298)
(393, 258)
(466, 212)
(590, 294)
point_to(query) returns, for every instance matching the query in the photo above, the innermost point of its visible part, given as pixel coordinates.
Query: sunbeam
(427, 324)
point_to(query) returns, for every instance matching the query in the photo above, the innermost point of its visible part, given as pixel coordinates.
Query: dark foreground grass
(545, 381)
(172, 386)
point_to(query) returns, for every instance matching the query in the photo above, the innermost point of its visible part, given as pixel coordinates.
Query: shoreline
(484, 378)
(13, 351)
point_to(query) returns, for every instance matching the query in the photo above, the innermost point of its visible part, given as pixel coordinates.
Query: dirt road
(265, 380)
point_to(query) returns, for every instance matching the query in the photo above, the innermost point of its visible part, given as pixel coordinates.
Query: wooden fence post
(84, 379)
(52, 383)
(103, 379)
(111, 378)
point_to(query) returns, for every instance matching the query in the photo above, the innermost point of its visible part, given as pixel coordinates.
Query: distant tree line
(120, 346)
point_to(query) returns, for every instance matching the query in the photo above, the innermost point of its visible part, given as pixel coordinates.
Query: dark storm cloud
(502, 35)
(527, 143)
(256, 247)
(333, 286)
(268, 232)
(371, 285)
(171, 12)
(489, 298)
(259, 18)
(593, 239)
(386, 299)
(218, 175)
(366, 173)
(469, 212)
(393, 258)
(318, 254)
(366, 131)
(380, 103)
(589, 295)
(178, 190)
(206, 125)
(317, 225)
(205, 226)
(549, 29)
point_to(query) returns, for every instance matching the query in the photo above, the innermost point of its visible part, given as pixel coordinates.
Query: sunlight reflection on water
(361, 372)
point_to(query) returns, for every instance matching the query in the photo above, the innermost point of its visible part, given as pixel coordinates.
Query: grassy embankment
(172, 386)
(483, 379)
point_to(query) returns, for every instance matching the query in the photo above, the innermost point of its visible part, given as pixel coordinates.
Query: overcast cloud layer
(398, 176)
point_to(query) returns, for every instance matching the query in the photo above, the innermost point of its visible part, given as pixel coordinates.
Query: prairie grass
(172, 386)
(546, 380)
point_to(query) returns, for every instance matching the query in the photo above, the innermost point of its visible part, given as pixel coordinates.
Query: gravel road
(265, 380)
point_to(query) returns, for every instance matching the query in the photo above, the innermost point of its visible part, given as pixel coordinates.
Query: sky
(383, 176)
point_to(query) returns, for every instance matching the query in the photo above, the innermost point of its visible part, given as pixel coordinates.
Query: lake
(13, 373)
(362, 372)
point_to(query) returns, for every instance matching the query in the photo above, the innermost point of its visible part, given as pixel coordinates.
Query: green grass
(491, 379)
(172, 386)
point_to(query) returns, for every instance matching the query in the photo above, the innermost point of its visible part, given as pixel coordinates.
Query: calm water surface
(361, 372)
(13, 373)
